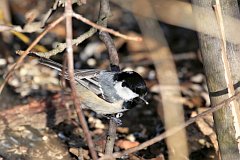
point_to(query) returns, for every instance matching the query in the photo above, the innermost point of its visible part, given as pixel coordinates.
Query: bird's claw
(117, 121)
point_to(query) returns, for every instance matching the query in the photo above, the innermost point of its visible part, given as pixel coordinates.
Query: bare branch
(68, 12)
(4, 28)
(101, 28)
(62, 46)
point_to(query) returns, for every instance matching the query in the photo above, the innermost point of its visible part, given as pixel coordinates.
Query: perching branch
(114, 61)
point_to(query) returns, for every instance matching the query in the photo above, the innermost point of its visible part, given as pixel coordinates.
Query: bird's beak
(146, 102)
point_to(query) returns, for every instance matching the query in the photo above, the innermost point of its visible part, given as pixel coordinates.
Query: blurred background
(168, 59)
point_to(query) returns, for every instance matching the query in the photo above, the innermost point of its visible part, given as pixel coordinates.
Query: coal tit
(111, 86)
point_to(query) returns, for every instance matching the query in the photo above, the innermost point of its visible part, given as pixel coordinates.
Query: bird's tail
(49, 63)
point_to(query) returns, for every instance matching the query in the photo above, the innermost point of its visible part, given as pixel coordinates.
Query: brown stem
(114, 60)
(111, 137)
(68, 11)
(101, 28)
(113, 55)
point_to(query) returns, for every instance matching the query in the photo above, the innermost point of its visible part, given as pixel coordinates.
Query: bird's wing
(86, 73)
(89, 78)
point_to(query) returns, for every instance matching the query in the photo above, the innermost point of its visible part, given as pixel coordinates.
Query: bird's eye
(124, 84)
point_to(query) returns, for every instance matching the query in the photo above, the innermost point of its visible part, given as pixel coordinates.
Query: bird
(104, 91)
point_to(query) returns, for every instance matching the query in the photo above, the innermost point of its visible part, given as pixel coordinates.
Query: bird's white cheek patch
(124, 92)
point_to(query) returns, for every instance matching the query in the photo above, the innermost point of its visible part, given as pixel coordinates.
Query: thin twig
(36, 26)
(62, 46)
(227, 71)
(99, 25)
(25, 53)
(68, 12)
(174, 130)
(226, 65)
(118, 34)
(4, 28)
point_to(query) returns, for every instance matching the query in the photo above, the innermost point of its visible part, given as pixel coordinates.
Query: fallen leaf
(125, 144)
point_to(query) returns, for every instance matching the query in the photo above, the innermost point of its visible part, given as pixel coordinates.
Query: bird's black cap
(133, 81)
